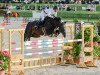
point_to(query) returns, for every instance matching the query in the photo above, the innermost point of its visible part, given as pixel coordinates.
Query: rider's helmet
(55, 8)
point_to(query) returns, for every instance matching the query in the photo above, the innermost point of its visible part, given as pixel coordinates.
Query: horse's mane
(57, 19)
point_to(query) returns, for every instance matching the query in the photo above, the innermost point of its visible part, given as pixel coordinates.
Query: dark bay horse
(12, 14)
(50, 27)
(15, 14)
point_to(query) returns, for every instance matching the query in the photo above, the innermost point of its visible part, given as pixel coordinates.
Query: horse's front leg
(28, 39)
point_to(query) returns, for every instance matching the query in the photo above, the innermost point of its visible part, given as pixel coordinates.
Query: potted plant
(77, 48)
(96, 39)
(4, 61)
(76, 52)
(66, 56)
(87, 35)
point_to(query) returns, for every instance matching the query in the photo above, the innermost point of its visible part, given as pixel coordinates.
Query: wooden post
(71, 28)
(1, 43)
(82, 55)
(9, 67)
(16, 57)
(85, 49)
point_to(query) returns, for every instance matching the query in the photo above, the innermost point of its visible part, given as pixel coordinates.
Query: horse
(49, 27)
(15, 14)
(12, 14)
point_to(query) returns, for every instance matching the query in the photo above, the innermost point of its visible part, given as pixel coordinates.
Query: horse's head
(62, 29)
(60, 26)
(57, 26)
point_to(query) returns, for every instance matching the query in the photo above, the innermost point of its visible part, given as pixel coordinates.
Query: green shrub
(96, 51)
(77, 50)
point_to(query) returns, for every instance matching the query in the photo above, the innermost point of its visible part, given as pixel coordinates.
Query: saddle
(37, 23)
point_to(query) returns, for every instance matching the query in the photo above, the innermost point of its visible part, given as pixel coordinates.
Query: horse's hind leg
(25, 38)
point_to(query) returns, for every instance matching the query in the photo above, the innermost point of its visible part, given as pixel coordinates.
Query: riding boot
(42, 22)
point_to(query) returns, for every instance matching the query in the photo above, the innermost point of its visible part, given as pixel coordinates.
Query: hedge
(79, 14)
(24, 13)
(66, 14)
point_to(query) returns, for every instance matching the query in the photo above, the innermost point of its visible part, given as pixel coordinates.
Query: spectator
(78, 1)
(37, 1)
(93, 7)
(96, 1)
(26, 1)
(88, 7)
(18, 7)
(66, 6)
(15, 1)
(9, 8)
(5, 1)
(69, 8)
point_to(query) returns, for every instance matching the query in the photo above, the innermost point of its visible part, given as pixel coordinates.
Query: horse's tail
(62, 30)
(28, 31)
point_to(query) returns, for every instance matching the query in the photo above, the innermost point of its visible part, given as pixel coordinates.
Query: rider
(47, 13)
(50, 12)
